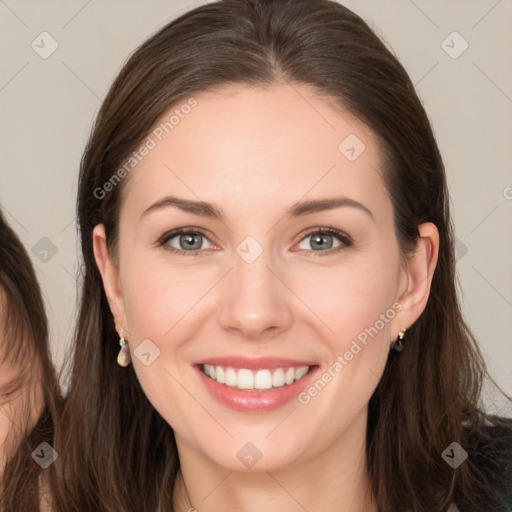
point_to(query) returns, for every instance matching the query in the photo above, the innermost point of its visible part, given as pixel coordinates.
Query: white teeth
(245, 379)
(230, 377)
(210, 371)
(255, 380)
(278, 378)
(289, 376)
(221, 376)
(301, 372)
(263, 379)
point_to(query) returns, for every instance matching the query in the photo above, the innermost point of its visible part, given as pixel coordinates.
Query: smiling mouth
(255, 380)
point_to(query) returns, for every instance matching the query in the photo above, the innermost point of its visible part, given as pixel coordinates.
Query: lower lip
(256, 401)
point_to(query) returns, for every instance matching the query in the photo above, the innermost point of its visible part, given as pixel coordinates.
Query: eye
(184, 241)
(189, 241)
(322, 238)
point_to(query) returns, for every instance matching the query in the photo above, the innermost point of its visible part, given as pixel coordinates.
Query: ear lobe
(420, 271)
(109, 275)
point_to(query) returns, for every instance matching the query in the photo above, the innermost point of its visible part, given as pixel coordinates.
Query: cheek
(156, 301)
(157, 298)
(351, 298)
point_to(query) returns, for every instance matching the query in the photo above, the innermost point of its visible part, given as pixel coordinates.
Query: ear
(110, 276)
(419, 271)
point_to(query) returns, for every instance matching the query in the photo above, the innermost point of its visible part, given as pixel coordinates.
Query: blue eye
(190, 241)
(322, 238)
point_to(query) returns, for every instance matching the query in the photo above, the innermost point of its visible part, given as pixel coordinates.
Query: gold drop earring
(398, 345)
(123, 358)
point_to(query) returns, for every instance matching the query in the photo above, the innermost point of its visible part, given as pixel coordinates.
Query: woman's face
(252, 288)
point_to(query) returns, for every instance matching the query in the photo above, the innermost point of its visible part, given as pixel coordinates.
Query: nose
(255, 301)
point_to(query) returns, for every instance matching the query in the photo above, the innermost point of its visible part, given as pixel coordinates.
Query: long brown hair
(24, 346)
(120, 454)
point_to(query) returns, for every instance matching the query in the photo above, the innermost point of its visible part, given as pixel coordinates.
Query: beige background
(48, 105)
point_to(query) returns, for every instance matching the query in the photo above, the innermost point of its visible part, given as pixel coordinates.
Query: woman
(29, 394)
(269, 318)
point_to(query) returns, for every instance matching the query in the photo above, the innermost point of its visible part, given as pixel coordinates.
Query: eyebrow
(299, 209)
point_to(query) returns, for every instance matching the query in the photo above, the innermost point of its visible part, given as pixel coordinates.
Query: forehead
(253, 147)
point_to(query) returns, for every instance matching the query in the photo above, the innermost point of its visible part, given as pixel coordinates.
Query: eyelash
(345, 240)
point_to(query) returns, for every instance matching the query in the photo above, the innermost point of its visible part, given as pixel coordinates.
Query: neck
(335, 479)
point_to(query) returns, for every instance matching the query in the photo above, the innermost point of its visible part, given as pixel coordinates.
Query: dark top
(490, 453)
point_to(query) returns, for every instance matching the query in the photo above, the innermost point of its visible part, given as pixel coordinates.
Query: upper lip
(254, 363)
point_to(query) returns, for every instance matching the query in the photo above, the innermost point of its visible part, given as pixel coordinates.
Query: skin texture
(254, 152)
